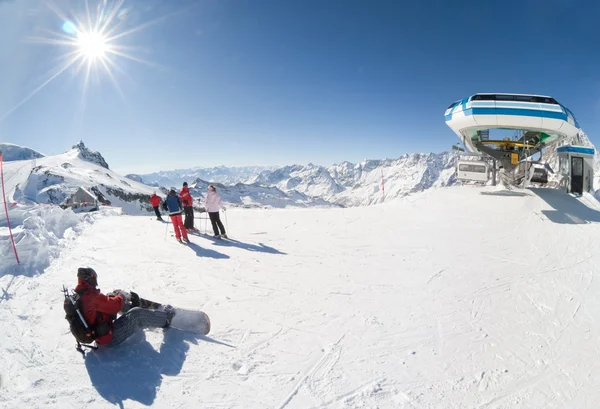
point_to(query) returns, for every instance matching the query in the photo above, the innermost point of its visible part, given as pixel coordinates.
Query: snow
(360, 184)
(255, 196)
(51, 179)
(40, 233)
(11, 152)
(462, 297)
(343, 184)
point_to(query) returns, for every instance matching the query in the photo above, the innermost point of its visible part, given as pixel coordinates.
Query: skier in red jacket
(100, 311)
(155, 202)
(187, 200)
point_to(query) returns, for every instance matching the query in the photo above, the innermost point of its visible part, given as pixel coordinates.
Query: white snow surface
(451, 298)
(40, 233)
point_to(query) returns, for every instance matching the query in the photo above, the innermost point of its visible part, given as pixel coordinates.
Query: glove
(126, 296)
(224, 208)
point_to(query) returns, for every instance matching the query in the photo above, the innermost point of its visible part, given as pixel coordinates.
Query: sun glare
(92, 45)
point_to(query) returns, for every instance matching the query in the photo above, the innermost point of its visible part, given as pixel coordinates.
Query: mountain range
(33, 177)
(53, 179)
(344, 184)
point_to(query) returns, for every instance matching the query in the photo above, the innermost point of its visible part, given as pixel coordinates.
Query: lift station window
(577, 169)
(520, 98)
(464, 167)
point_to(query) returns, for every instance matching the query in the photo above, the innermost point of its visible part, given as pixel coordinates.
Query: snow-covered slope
(89, 155)
(359, 184)
(408, 174)
(450, 298)
(40, 234)
(344, 184)
(219, 174)
(255, 196)
(53, 178)
(311, 180)
(11, 152)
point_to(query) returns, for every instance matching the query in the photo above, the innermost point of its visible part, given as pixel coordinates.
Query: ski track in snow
(453, 298)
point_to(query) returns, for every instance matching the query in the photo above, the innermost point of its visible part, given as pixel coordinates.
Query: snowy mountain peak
(53, 180)
(11, 152)
(91, 156)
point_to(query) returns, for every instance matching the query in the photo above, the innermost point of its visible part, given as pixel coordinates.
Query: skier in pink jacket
(213, 205)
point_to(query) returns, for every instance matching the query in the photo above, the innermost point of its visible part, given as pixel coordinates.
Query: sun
(92, 45)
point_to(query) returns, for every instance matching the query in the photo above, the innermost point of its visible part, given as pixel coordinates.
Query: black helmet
(88, 274)
(184, 183)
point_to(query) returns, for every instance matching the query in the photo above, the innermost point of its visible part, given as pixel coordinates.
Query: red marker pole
(6, 211)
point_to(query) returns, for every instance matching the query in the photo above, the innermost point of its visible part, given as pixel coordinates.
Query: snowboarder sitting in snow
(213, 205)
(188, 202)
(172, 204)
(155, 202)
(100, 311)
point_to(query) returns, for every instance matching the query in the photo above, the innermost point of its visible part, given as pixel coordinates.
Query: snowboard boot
(135, 299)
(170, 311)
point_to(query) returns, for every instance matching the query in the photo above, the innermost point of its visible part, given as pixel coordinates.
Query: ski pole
(226, 224)
(166, 230)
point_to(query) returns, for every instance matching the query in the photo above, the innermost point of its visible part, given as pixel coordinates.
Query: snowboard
(185, 319)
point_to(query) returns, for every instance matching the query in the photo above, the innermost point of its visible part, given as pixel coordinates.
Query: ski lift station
(576, 167)
(540, 121)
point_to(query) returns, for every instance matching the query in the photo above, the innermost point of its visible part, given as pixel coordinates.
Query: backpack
(83, 333)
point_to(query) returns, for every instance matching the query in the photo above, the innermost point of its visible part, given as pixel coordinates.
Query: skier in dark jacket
(100, 311)
(172, 204)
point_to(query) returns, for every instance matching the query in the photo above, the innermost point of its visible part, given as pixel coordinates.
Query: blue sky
(268, 82)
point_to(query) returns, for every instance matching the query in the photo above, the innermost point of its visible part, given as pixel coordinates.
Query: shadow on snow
(260, 247)
(204, 252)
(134, 370)
(567, 209)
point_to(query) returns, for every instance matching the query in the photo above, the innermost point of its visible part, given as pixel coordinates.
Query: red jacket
(155, 201)
(99, 308)
(185, 197)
